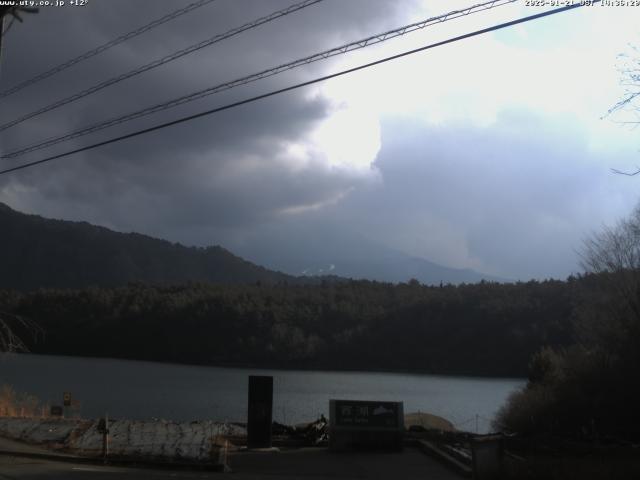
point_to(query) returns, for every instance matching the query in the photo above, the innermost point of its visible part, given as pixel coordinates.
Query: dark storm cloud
(492, 198)
(223, 172)
(57, 34)
(219, 171)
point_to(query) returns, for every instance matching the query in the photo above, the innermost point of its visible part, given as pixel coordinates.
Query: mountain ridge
(349, 254)
(38, 252)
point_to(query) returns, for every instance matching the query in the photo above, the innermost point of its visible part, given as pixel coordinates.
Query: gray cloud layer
(499, 199)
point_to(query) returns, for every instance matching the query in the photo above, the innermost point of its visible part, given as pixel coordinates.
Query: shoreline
(248, 366)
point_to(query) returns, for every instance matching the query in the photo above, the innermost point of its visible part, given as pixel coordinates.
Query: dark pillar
(260, 411)
(487, 454)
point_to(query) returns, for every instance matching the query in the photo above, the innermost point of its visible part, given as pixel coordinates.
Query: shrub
(15, 404)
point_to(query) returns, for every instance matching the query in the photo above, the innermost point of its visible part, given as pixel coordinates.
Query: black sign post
(260, 411)
(66, 402)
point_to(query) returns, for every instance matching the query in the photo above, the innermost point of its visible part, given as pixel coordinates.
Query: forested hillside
(36, 252)
(482, 329)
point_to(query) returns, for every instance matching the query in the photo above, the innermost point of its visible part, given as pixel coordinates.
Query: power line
(162, 61)
(294, 87)
(105, 46)
(359, 44)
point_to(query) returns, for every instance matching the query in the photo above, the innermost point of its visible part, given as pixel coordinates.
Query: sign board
(366, 414)
(357, 424)
(260, 412)
(56, 411)
(66, 399)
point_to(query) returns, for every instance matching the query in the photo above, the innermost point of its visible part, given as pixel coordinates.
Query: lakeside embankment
(199, 441)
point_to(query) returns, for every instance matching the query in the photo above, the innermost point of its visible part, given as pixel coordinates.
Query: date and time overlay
(43, 3)
(527, 3)
(583, 3)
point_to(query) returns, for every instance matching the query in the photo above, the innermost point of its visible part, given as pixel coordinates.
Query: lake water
(144, 390)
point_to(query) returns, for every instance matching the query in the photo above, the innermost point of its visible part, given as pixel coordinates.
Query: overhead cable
(161, 61)
(358, 44)
(105, 46)
(293, 87)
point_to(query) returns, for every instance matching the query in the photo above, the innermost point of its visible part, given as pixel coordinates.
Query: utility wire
(162, 61)
(362, 43)
(294, 87)
(105, 46)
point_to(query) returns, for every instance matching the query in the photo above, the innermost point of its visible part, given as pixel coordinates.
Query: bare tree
(629, 68)
(611, 319)
(615, 251)
(15, 13)
(10, 339)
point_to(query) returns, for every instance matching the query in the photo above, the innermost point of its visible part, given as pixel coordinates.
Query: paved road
(13, 446)
(316, 464)
(14, 468)
(311, 463)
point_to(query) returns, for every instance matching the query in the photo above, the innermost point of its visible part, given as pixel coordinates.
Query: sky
(492, 153)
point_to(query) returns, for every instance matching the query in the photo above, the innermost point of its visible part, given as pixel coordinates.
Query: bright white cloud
(350, 137)
(572, 70)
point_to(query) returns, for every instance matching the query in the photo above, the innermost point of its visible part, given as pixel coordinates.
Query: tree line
(471, 329)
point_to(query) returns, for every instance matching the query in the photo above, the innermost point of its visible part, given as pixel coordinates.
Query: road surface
(314, 464)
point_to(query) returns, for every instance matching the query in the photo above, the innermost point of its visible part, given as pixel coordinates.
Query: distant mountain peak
(348, 254)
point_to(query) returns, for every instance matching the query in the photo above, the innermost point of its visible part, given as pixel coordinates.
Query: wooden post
(106, 437)
(103, 427)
